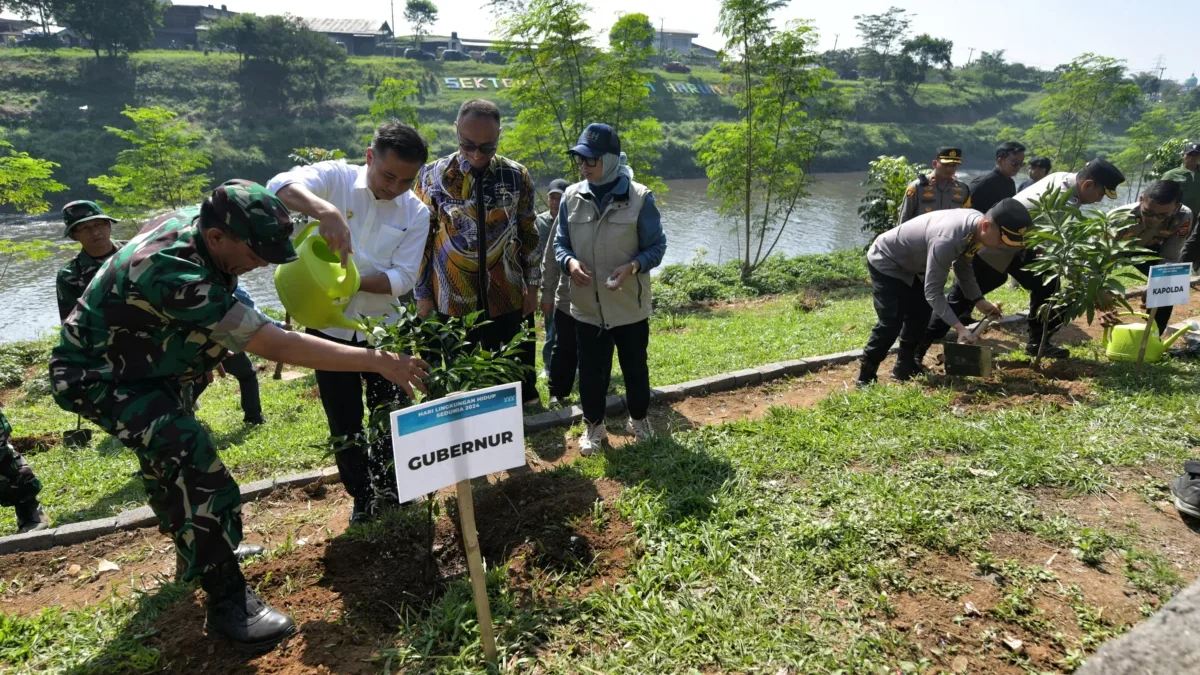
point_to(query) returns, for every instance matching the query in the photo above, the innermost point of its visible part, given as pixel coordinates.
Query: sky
(1042, 33)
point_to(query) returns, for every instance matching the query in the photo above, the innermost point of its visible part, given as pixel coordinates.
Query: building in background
(182, 24)
(360, 37)
(680, 41)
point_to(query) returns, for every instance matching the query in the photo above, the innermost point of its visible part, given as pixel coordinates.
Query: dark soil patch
(1015, 384)
(29, 445)
(348, 593)
(314, 393)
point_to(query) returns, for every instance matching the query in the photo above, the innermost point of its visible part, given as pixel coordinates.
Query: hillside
(56, 105)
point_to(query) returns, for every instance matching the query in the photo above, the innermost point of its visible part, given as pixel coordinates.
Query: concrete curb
(1164, 643)
(75, 533)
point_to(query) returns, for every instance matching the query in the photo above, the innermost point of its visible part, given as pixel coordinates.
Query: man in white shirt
(368, 215)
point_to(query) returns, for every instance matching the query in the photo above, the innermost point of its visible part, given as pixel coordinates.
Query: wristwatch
(637, 266)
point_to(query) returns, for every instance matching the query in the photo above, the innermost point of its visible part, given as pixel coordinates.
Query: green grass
(783, 542)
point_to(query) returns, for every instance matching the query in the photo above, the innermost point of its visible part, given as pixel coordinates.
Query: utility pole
(662, 51)
(970, 55)
(835, 40)
(1160, 64)
(393, 5)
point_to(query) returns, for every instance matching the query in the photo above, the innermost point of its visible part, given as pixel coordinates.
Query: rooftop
(353, 26)
(671, 31)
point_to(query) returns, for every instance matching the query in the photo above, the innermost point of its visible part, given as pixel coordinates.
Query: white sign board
(1169, 285)
(459, 437)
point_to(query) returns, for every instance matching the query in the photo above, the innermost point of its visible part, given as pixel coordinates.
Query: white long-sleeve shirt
(388, 236)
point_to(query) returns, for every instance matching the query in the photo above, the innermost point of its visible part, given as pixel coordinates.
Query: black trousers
(564, 355)
(596, 346)
(366, 469)
(239, 366)
(902, 312)
(989, 279)
(498, 332)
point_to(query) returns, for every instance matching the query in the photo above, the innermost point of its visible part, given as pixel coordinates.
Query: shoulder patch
(911, 191)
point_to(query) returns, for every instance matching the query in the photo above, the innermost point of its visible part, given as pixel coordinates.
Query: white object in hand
(611, 283)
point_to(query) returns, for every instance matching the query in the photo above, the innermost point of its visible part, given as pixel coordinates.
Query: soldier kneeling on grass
(162, 313)
(909, 265)
(19, 488)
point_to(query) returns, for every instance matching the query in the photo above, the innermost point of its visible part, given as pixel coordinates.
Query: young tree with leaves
(881, 35)
(919, 55)
(391, 100)
(161, 170)
(1089, 92)
(569, 83)
(1144, 139)
(887, 180)
(24, 182)
(420, 15)
(759, 167)
(113, 26)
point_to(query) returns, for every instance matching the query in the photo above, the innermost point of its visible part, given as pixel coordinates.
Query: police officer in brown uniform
(938, 191)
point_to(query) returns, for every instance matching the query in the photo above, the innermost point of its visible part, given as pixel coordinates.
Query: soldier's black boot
(919, 353)
(906, 367)
(236, 613)
(241, 554)
(31, 517)
(867, 373)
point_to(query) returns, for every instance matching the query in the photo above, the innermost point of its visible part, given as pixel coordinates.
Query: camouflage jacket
(159, 310)
(75, 276)
(5, 431)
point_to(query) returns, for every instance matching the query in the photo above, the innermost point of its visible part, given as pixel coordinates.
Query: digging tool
(78, 437)
(970, 360)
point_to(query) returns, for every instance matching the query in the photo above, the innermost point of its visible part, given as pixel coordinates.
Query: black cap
(597, 140)
(557, 185)
(1105, 174)
(949, 155)
(1191, 148)
(1013, 219)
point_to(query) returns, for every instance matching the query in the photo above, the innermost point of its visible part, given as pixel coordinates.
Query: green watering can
(314, 288)
(1122, 343)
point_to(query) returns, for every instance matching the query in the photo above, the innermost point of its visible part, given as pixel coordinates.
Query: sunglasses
(590, 162)
(1016, 164)
(483, 149)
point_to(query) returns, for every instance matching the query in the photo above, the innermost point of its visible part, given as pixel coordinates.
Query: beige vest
(604, 242)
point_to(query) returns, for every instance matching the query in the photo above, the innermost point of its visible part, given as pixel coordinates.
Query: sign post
(450, 441)
(1169, 285)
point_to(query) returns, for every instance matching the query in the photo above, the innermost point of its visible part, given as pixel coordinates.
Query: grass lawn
(99, 480)
(846, 537)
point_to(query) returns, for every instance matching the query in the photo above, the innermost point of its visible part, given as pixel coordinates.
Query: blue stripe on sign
(1184, 269)
(454, 411)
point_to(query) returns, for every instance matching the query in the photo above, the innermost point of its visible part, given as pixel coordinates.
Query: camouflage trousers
(17, 482)
(190, 490)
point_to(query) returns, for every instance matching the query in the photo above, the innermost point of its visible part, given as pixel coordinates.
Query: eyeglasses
(1016, 164)
(590, 162)
(1159, 215)
(481, 148)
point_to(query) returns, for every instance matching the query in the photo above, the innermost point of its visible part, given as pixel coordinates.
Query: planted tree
(887, 179)
(1089, 92)
(391, 99)
(161, 170)
(759, 167)
(24, 182)
(420, 15)
(1081, 251)
(114, 27)
(569, 83)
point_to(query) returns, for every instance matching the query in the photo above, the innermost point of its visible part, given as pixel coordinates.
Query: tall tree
(632, 32)
(420, 15)
(925, 52)
(993, 71)
(25, 180)
(1145, 137)
(882, 35)
(1088, 92)
(760, 167)
(161, 170)
(569, 83)
(111, 26)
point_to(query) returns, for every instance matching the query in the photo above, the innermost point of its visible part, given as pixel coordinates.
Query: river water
(827, 221)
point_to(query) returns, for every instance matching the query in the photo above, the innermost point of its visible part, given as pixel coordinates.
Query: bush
(15, 357)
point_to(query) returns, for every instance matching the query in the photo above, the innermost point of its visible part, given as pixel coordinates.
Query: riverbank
(991, 526)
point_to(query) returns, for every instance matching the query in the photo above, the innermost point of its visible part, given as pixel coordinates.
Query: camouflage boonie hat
(82, 211)
(257, 216)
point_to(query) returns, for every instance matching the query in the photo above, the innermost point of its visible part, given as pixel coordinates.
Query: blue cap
(597, 140)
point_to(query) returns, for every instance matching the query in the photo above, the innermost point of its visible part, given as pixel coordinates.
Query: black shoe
(254, 420)
(1052, 351)
(236, 613)
(867, 375)
(31, 517)
(1186, 489)
(906, 367)
(363, 511)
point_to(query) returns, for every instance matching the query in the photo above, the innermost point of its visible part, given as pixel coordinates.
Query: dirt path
(346, 593)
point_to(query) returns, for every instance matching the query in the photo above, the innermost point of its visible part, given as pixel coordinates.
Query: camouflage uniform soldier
(92, 228)
(161, 314)
(19, 488)
(940, 191)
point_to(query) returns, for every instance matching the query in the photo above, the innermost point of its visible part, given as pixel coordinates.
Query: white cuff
(397, 282)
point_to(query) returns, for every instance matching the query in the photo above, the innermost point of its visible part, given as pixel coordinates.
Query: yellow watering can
(1122, 343)
(314, 288)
